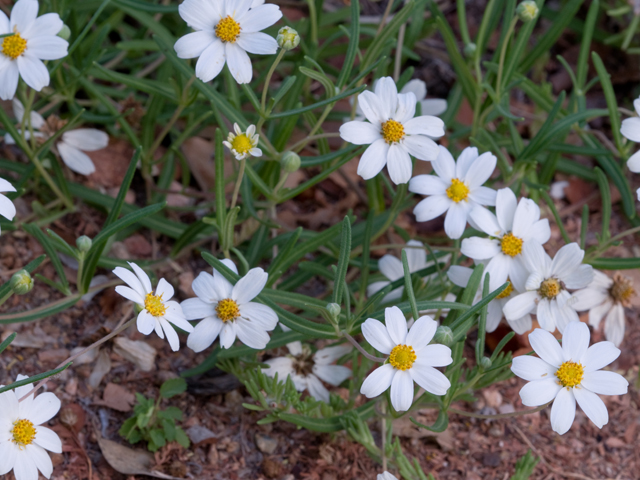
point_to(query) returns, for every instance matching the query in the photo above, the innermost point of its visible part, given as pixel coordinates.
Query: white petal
(580, 277)
(465, 160)
(47, 47)
(406, 108)
(146, 322)
(567, 260)
(376, 334)
(171, 334)
(360, 133)
(427, 185)
(201, 14)
(547, 313)
(487, 221)
(204, 334)
(547, 347)
(506, 204)
(228, 335)
(378, 381)
(375, 287)
(4, 25)
(636, 105)
(456, 219)
(599, 355)
(432, 207)
(540, 232)
(259, 18)
(480, 170)
(164, 290)
(520, 305)
(391, 267)
(417, 87)
(33, 71)
(592, 405)
(399, 164)
(7, 208)
(435, 355)
(425, 125)
(142, 276)
(532, 368)
(433, 106)
(87, 139)
(396, 325)
(563, 411)
(45, 406)
(8, 455)
(614, 325)
(633, 164)
(258, 43)
(251, 335)
(587, 298)
(25, 468)
(605, 383)
(249, 286)
(432, 380)
(204, 286)
(260, 314)
(332, 374)
(630, 129)
(48, 24)
(76, 160)
(536, 259)
(373, 159)
(130, 279)
(483, 196)
(564, 315)
(480, 248)
(24, 12)
(5, 186)
(416, 257)
(41, 459)
(211, 61)
(9, 76)
(387, 93)
(459, 275)
(421, 333)
(575, 341)
(238, 62)
(526, 215)
(370, 105)
(317, 390)
(328, 355)
(521, 325)
(401, 393)
(598, 312)
(444, 165)
(537, 393)
(421, 147)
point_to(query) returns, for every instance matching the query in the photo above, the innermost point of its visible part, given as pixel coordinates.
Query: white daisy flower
(71, 145)
(568, 374)
(307, 370)
(243, 144)
(158, 311)
(225, 32)
(456, 188)
(630, 129)
(227, 310)
(411, 358)
(386, 476)
(23, 438)
(460, 276)
(547, 286)
(606, 297)
(392, 132)
(7, 208)
(33, 40)
(509, 229)
(391, 267)
(428, 106)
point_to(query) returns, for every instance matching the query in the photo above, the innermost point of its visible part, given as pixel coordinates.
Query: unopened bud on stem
(288, 38)
(21, 282)
(527, 11)
(290, 162)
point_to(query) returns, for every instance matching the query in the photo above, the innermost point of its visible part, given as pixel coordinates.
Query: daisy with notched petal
(227, 310)
(411, 358)
(513, 224)
(225, 31)
(7, 208)
(455, 189)
(308, 370)
(547, 286)
(569, 374)
(243, 144)
(23, 438)
(392, 132)
(158, 311)
(606, 298)
(30, 39)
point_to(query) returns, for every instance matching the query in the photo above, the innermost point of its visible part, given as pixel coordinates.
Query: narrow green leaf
(34, 379)
(343, 260)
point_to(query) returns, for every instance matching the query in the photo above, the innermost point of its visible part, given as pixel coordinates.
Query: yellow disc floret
(392, 131)
(227, 310)
(570, 374)
(242, 144)
(550, 288)
(458, 191)
(507, 291)
(14, 46)
(511, 245)
(23, 433)
(153, 304)
(622, 290)
(228, 29)
(402, 357)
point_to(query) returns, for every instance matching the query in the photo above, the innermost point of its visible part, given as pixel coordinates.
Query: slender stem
(362, 350)
(267, 80)
(503, 52)
(311, 138)
(236, 189)
(500, 415)
(6, 297)
(385, 16)
(398, 59)
(90, 347)
(383, 433)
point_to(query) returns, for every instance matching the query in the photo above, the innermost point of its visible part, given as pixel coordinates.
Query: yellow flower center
(227, 310)
(550, 288)
(23, 433)
(402, 357)
(153, 304)
(507, 291)
(570, 374)
(392, 131)
(241, 143)
(14, 46)
(622, 289)
(458, 191)
(511, 245)
(228, 29)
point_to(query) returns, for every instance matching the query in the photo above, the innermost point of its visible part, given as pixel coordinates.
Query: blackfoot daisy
(71, 145)
(411, 358)
(23, 438)
(308, 370)
(569, 374)
(455, 189)
(158, 312)
(225, 32)
(227, 310)
(34, 39)
(7, 208)
(392, 132)
(606, 298)
(547, 287)
(243, 144)
(514, 224)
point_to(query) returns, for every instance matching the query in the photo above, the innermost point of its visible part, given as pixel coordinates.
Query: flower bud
(65, 33)
(444, 335)
(290, 162)
(485, 362)
(84, 243)
(527, 11)
(21, 282)
(333, 309)
(288, 38)
(470, 50)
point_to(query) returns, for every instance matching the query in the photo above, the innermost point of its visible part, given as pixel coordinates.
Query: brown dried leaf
(128, 461)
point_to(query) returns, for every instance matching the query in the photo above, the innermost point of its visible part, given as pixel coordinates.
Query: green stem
(236, 189)
(6, 297)
(499, 415)
(503, 53)
(265, 89)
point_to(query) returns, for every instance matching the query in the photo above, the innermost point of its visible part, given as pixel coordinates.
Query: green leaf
(182, 438)
(610, 97)
(440, 425)
(152, 87)
(343, 261)
(7, 341)
(157, 437)
(169, 428)
(34, 379)
(51, 251)
(615, 263)
(173, 387)
(352, 49)
(322, 103)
